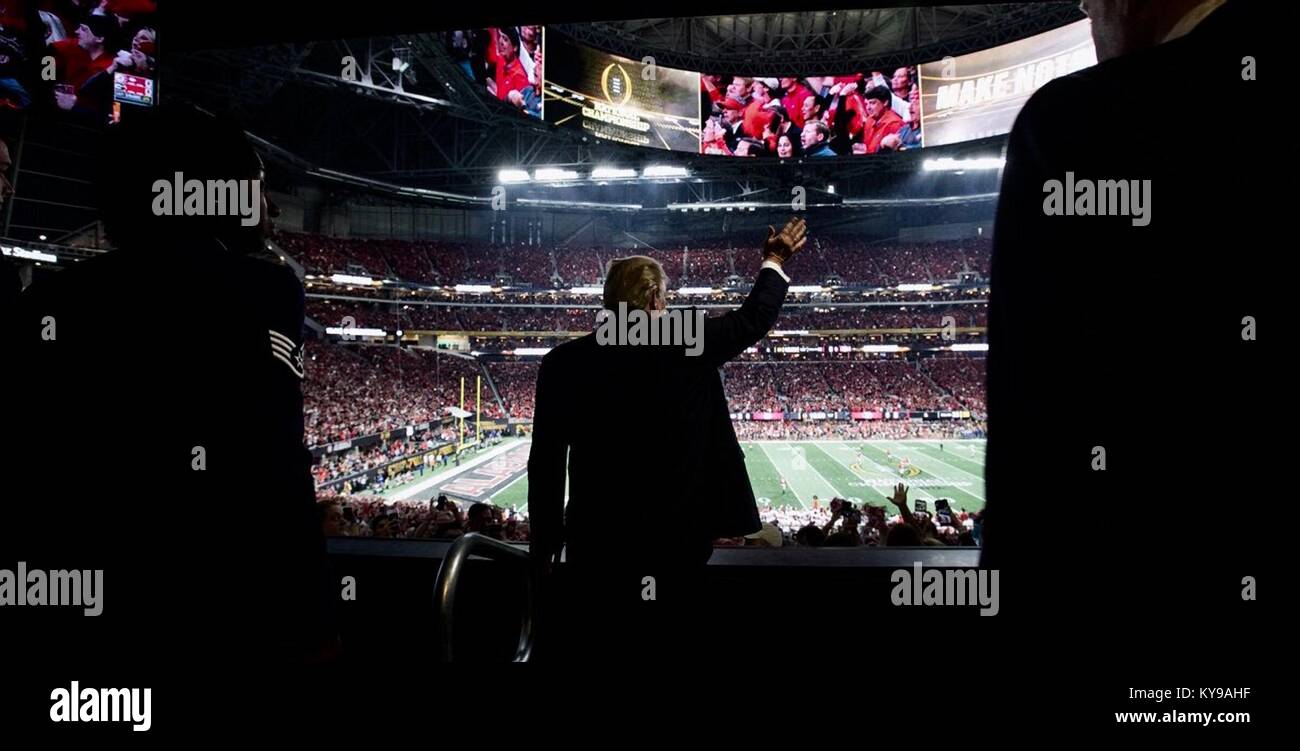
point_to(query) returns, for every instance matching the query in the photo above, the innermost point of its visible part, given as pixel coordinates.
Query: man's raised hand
(780, 246)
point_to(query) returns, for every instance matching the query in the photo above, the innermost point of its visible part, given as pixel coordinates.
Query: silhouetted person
(655, 472)
(1123, 333)
(162, 437)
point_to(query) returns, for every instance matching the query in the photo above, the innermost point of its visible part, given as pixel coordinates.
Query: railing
(448, 582)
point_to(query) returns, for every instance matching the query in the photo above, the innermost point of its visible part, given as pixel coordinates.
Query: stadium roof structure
(422, 132)
(426, 127)
(823, 41)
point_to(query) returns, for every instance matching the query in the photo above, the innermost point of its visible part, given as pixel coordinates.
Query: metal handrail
(448, 581)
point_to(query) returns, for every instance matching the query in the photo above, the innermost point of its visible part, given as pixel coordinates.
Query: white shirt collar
(1192, 19)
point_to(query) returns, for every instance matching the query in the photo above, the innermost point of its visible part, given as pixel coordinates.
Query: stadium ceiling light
(473, 288)
(807, 288)
(340, 331)
(948, 164)
(607, 173)
(513, 176)
(350, 279)
(881, 348)
(659, 170)
(830, 189)
(969, 348)
(696, 291)
(553, 174)
(532, 351)
(586, 290)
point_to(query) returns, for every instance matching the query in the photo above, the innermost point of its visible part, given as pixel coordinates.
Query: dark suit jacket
(1105, 334)
(655, 471)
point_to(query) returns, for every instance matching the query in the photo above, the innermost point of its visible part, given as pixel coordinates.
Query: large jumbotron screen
(979, 95)
(872, 110)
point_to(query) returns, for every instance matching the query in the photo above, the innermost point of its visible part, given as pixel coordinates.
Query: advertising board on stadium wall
(979, 95)
(367, 476)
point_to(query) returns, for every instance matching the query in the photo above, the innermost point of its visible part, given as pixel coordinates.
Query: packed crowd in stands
(837, 522)
(962, 376)
(886, 385)
(353, 391)
(834, 522)
(365, 516)
(881, 317)
(516, 381)
(448, 263)
(471, 317)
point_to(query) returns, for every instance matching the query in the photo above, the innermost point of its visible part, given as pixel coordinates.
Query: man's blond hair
(635, 280)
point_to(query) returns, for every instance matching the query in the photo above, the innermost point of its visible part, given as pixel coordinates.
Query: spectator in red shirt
(881, 119)
(79, 59)
(512, 84)
(756, 117)
(709, 86)
(793, 101)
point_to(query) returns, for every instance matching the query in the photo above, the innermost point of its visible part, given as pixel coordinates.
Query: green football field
(829, 469)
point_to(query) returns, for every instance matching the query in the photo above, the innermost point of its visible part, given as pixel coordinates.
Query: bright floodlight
(948, 164)
(606, 173)
(660, 170)
(970, 348)
(513, 176)
(340, 331)
(553, 174)
(351, 279)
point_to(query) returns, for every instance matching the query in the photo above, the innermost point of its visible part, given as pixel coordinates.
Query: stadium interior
(450, 233)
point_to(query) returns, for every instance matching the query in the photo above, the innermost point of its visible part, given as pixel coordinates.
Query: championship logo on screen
(608, 97)
(616, 84)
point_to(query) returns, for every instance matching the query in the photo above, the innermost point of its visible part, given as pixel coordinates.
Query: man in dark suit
(162, 440)
(1120, 344)
(655, 472)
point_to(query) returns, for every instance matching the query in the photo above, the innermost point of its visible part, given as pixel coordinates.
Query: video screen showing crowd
(80, 58)
(814, 116)
(506, 61)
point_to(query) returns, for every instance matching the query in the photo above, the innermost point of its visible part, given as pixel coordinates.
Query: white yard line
(788, 483)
